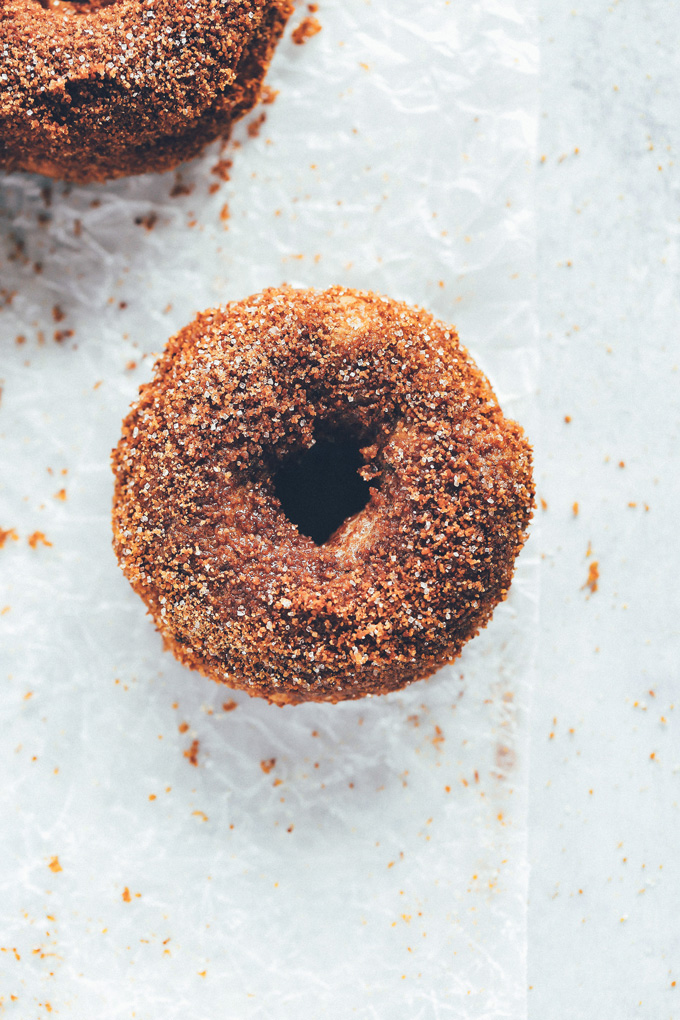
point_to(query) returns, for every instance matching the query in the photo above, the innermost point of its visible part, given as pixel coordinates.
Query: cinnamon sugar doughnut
(219, 453)
(105, 88)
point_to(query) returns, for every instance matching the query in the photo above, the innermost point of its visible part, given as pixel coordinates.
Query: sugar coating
(98, 89)
(236, 591)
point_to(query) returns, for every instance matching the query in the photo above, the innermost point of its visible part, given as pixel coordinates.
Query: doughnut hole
(321, 488)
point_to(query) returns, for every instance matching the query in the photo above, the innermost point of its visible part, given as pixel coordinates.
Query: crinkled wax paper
(171, 849)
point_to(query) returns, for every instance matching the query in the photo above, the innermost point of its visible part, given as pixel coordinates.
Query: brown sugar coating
(237, 591)
(106, 88)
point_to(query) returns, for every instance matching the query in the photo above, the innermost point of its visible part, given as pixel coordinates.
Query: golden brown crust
(237, 592)
(100, 90)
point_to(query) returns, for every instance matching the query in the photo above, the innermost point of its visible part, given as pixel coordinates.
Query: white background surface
(604, 848)
(604, 913)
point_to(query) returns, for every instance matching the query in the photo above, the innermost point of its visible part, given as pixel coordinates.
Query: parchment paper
(165, 856)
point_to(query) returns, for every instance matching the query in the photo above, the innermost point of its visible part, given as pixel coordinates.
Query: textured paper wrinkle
(378, 868)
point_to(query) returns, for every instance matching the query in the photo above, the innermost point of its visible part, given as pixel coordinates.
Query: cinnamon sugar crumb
(256, 125)
(148, 222)
(9, 533)
(37, 537)
(180, 187)
(192, 752)
(593, 577)
(221, 169)
(307, 28)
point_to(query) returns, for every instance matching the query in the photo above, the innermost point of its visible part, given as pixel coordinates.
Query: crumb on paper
(229, 706)
(36, 537)
(574, 509)
(61, 495)
(221, 169)
(307, 28)
(54, 865)
(267, 765)
(148, 222)
(506, 759)
(8, 533)
(268, 95)
(180, 187)
(192, 752)
(126, 895)
(593, 577)
(183, 727)
(255, 126)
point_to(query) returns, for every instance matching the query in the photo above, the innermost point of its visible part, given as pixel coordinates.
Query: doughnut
(317, 496)
(106, 88)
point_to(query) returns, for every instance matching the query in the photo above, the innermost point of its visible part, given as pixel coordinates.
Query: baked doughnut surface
(241, 400)
(108, 88)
